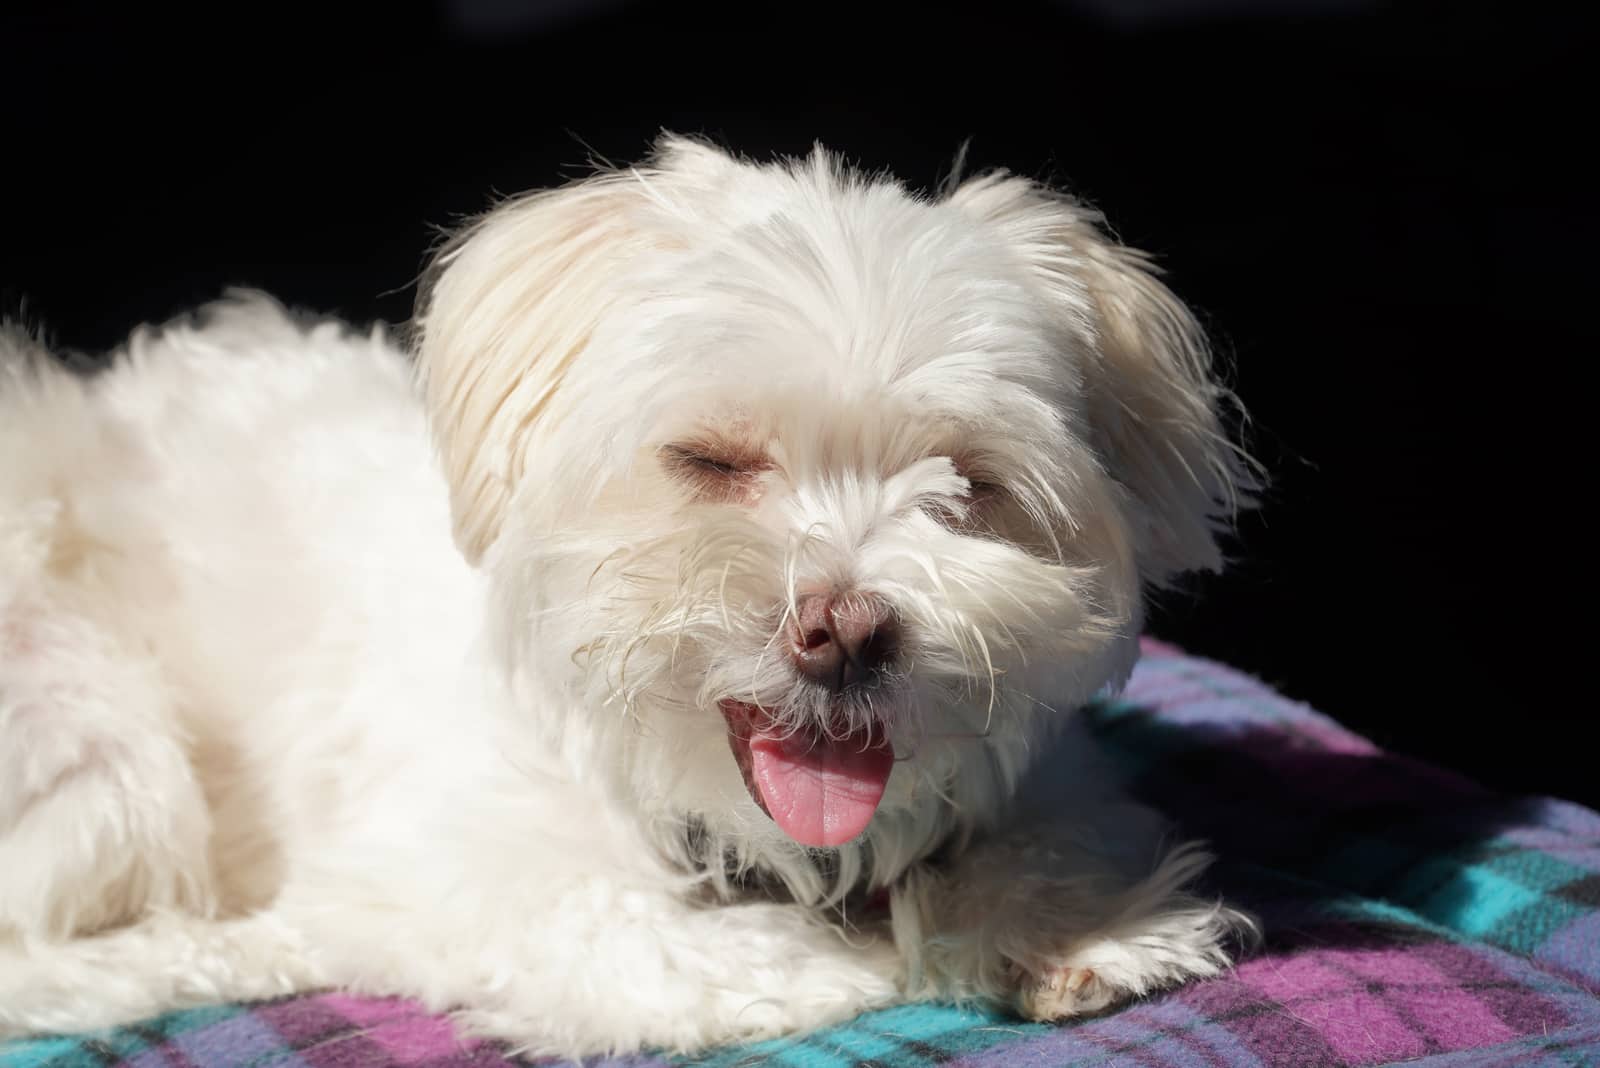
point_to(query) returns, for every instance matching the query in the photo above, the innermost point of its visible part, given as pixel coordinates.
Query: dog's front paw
(1077, 953)
(1074, 941)
(1157, 951)
(1062, 992)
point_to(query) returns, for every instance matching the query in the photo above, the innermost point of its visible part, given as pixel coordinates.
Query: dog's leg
(100, 814)
(1055, 931)
(604, 968)
(164, 962)
(680, 979)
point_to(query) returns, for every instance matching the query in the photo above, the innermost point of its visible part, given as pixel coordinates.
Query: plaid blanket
(1411, 916)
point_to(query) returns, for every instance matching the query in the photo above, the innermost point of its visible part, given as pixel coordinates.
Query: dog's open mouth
(820, 790)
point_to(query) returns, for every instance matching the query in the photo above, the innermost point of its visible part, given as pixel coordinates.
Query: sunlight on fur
(677, 646)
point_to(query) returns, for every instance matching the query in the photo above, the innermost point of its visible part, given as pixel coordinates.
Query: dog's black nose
(841, 639)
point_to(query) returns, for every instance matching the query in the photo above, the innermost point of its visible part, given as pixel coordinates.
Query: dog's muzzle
(822, 783)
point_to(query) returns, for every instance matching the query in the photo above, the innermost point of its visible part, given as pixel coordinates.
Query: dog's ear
(1155, 406)
(508, 304)
(503, 312)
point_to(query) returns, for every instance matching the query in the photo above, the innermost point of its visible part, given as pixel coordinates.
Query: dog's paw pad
(1061, 993)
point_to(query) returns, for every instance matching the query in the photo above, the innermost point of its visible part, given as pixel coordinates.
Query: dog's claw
(1060, 993)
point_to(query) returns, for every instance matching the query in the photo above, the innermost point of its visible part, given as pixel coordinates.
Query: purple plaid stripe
(1327, 1004)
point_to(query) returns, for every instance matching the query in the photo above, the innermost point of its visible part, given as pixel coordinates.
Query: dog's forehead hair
(763, 357)
(864, 286)
(827, 313)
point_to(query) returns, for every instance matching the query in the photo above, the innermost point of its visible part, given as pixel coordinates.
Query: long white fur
(311, 674)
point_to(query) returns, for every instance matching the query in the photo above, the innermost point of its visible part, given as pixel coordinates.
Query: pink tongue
(822, 792)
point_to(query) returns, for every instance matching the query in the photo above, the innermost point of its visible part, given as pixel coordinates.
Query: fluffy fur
(315, 674)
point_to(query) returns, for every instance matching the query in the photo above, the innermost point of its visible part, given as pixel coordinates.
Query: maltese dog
(675, 645)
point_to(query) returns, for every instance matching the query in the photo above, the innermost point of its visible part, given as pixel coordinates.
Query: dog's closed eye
(981, 486)
(971, 514)
(716, 471)
(980, 491)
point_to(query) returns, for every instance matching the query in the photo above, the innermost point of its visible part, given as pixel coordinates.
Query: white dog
(677, 690)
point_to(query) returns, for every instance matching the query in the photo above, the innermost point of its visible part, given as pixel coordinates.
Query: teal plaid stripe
(908, 1035)
(119, 1045)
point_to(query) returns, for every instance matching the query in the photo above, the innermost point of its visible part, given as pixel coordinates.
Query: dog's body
(782, 517)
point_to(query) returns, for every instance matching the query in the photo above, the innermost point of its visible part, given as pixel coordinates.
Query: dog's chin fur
(306, 681)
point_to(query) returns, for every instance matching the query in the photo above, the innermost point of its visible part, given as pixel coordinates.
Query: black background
(1379, 211)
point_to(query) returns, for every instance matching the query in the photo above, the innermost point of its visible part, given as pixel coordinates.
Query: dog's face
(811, 504)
